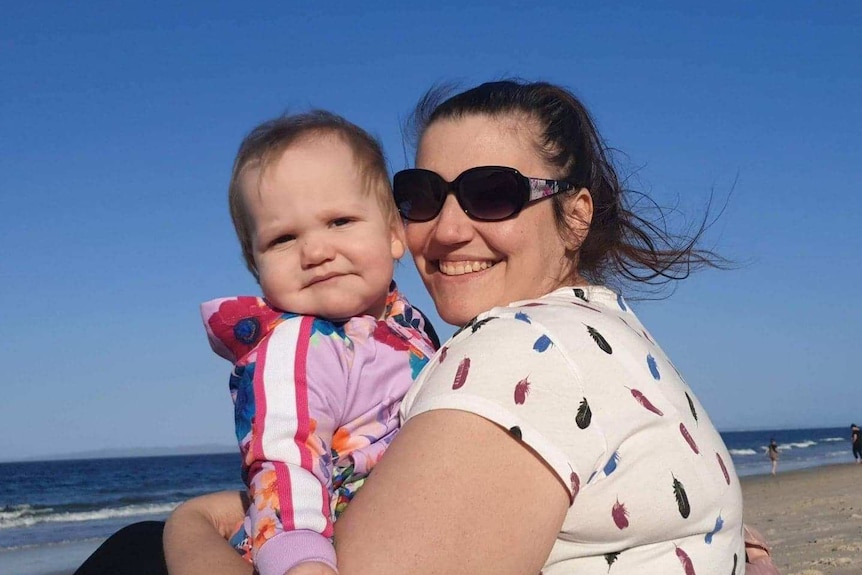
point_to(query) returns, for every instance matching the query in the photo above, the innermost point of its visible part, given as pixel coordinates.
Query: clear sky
(119, 122)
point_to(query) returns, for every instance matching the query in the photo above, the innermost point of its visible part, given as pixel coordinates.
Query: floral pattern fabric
(315, 406)
(576, 377)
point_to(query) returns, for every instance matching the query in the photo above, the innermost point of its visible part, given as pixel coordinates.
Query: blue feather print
(621, 303)
(523, 317)
(611, 465)
(653, 368)
(719, 523)
(542, 344)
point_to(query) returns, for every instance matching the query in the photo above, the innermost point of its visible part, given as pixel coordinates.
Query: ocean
(46, 503)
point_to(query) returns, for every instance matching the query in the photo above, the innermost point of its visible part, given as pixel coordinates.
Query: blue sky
(118, 127)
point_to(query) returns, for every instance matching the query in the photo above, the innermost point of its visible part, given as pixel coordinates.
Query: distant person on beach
(551, 433)
(856, 442)
(772, 451)
(322, 361)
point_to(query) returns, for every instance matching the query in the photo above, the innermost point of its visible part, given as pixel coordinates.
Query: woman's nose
(452, 225)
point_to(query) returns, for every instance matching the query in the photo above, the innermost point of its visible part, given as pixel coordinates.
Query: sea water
(52, 502)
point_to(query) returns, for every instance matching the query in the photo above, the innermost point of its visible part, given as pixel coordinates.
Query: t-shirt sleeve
(512, 373)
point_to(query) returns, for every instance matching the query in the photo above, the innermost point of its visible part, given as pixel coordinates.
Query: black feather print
(600, 341)
(610, 558)
(579, 293)
(681, 498)
(516, 432)
(470, 324)
(691, 406)
(475, 326)
(735, 561)
(584, 415)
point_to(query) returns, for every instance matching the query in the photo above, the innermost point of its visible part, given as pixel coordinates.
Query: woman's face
(469, 266)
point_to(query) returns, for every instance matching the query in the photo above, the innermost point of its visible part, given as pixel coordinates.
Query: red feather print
(687, 565)
(461, 373)
(522, 390)
(620, 515)
(576, 484)
(641, 398)
(443, 351)
(688, 437)
(723, 468)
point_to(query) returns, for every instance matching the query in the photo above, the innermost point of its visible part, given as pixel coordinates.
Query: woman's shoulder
(595, 309)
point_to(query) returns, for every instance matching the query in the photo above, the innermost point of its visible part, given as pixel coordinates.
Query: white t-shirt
(575, 376)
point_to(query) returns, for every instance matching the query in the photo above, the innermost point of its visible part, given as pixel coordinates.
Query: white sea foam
(21, 517)
(835, 439)
(797, 445)
(742, 452)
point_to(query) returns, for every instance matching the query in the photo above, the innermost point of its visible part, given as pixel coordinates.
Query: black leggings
(857, 449)
(133, 550)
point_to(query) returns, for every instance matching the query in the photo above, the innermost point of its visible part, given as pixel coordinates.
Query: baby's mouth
(460, 268)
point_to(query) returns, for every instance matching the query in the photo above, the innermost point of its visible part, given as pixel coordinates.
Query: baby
(322, 361)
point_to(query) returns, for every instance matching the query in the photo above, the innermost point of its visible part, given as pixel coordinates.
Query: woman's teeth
(461, 268)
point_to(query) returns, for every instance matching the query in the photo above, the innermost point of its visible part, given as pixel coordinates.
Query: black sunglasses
(486, 193)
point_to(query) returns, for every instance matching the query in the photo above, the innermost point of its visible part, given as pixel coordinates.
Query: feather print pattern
(620, 515)
(443, 351)
(735, 561)
(610, 558)
(475, 325)
(688, 438)
(719, 523)
(576, 484)
(521, 316)
(687, 565)
(600, 341)
(611, 465)
(542, 344)
(641, 398)
(461, 373)
(681, 498)
(723, 468)
(691, 406)
(584, 415)
(522, 390)
(653, 367)
(516, 432)
(579, 293)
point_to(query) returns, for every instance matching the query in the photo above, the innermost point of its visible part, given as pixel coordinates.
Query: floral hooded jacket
(315, 406)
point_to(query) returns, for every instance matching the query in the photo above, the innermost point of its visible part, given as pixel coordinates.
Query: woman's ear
(579, 214)
(398, 240)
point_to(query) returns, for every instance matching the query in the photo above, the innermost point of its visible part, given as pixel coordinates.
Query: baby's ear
(398, 241)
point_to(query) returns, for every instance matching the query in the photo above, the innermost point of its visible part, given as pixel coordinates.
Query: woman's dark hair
(621, 246)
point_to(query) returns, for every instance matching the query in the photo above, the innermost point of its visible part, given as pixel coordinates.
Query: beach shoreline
(812, 518)
(55, 559)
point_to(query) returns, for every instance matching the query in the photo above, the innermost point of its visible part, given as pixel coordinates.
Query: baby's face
(321, 244)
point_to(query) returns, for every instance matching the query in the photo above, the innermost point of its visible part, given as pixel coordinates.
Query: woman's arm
(454, 494)
(196, 536)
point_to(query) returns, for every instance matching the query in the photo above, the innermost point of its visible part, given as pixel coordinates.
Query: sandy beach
(812, 518)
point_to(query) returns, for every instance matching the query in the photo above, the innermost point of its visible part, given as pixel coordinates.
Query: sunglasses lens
(418, 194)
(491, 194)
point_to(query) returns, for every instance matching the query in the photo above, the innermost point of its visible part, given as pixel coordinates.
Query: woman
(772, 451)
(549, 435)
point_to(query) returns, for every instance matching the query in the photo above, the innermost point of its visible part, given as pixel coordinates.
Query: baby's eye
(338, 222)
(283, 239)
